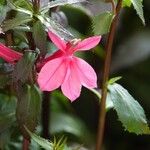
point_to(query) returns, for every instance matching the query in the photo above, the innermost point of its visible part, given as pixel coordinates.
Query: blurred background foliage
(78, 120)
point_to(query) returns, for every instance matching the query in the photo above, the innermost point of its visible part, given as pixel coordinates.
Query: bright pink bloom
(66, 70)
(8, 54)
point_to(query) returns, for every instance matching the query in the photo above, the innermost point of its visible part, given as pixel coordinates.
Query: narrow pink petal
(71, 86)
(60, 44)
(86, 73)
(8, 54)
(56, 54)
(52, 74)
(87, 43)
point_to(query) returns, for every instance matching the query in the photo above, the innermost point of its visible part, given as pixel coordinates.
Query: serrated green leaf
(102, 23)
(139, 9)
(28, 108)
(138, 6)
(40, 37)
(59, 3)
(15, 22)
(129, 111)
(24, 67)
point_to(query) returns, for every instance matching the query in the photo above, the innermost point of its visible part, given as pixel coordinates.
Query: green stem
(106, 71)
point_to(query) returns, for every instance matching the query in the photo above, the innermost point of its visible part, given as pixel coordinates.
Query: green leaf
(15, 22)
(59, 3)
(41, 141)
(28, 108)
(24, 67)
(113, 80)
(48, 145)
(40, 37)
(102, 23)
(138, 6)
(126, 3)
(129, 111)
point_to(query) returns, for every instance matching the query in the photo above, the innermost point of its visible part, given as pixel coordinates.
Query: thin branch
(45, 114)
(107, 63)
(26, 144)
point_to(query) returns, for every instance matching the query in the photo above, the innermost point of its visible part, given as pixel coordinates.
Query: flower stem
(26, 144)
(106, 71)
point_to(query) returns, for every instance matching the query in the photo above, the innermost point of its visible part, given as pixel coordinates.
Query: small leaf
(139, 9)
(40, 37)
(59, 3)
(48, 145)
(113, 80)
(28, 108)
(24, 67)
(129, 111)
(15, 22)
(126, 3)
(138, 6)
(41, 141)
(102, 23)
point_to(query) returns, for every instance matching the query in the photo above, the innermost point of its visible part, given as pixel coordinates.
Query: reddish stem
(107, 63)
(26, 144)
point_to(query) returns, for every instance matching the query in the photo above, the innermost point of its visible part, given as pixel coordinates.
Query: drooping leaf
(15, 22)
(59, 3)
(69, 124)
(102, 23)
(40, 37)
(14, 6)
(24, 67)
(55, 27)
(129, 111)
(28, 108)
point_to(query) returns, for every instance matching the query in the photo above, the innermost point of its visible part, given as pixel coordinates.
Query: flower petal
(52, 74)
(71, 86)
(8, 54)
(86, 73)
(60, 44)
(56, 54)
(87, 43)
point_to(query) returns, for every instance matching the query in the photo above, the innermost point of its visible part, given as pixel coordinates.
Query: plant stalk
(45, 114)
(26, 144)
(106, 71)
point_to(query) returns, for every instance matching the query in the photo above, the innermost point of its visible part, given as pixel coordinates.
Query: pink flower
(66, 70)
(8, 54)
